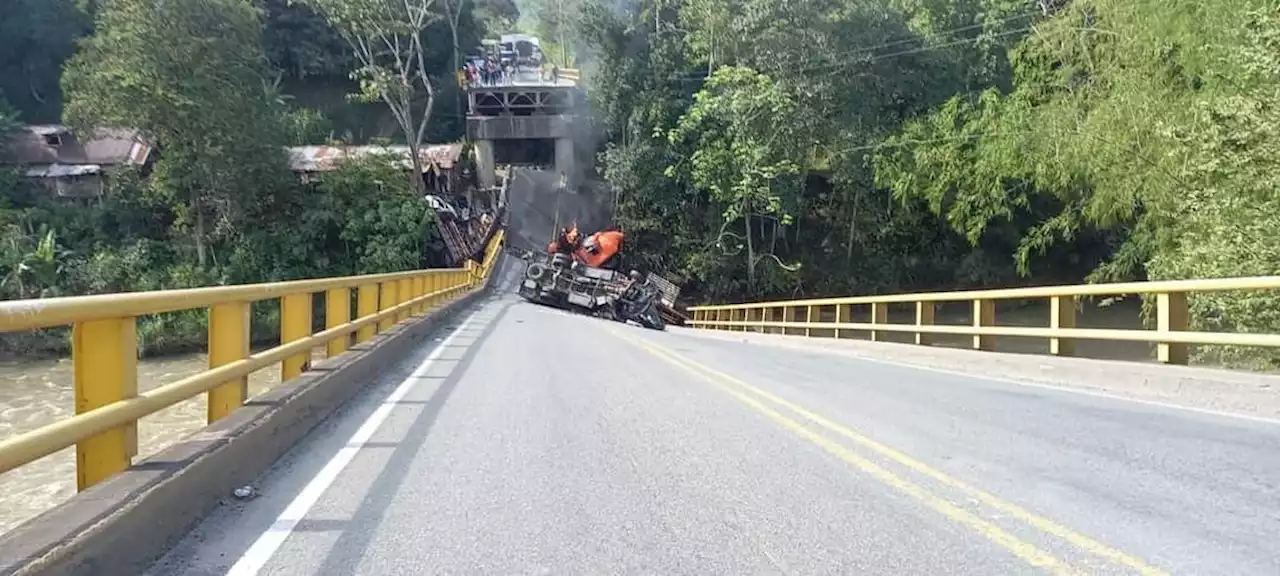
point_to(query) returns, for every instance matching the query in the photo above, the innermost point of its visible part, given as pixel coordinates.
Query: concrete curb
(123, 525)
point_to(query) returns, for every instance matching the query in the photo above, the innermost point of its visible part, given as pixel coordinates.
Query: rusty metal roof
(329, 158)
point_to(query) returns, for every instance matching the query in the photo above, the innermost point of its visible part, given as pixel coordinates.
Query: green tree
(746, 155)
(391, 47)
(36, 37)
(204, 97)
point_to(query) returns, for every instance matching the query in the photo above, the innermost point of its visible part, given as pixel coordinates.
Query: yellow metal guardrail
(570, 74)
(105, 350)
(1170, 334)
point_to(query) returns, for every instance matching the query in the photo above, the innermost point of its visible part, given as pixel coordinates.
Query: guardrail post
(366, 305)
(808, 320)
(1062, 314)
(984, 315)
(844, 315)
(386, 301)
(295, 324)
(228, 342)
(435, 283)
(469, 268)
(924, 317)
(404, 290)
(765, 316)
(419, 290)
(337, 311)
(879, 315)
(788, 318)
(1171, 316)
(104, 354)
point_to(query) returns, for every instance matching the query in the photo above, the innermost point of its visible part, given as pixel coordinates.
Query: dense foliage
(221, 87)
(764, 148)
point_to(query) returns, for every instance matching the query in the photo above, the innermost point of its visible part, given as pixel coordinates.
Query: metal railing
(105, 350)
(1170, 334)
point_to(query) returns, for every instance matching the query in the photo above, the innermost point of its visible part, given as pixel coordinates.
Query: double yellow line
(759, 400)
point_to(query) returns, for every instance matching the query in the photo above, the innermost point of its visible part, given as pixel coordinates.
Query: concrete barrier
(121, 526)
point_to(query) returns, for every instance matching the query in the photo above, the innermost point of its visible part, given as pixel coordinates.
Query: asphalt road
(537, 442)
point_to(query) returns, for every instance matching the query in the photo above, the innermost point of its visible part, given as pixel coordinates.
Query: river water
(36, 393)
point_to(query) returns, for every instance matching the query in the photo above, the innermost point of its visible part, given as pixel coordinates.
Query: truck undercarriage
(559, 281)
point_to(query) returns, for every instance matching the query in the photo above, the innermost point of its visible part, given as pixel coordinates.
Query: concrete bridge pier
(484, 164)
(565, 163)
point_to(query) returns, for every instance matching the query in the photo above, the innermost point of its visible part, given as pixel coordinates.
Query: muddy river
(35, 393)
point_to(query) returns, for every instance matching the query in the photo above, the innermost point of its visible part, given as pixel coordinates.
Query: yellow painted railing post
(366, 305)
(228, 342)
(435, 283)
(1062, 314)
(419, 290)
(844, 315)
(386, 301)
(764, 317)
(984, 315)
(404, 290)
(740, 315)
(295, 324)
(879, 315)
(337, 311)
(808, 319)
(924, 317)
(105, 358)
(788, 318)
(1171, 316)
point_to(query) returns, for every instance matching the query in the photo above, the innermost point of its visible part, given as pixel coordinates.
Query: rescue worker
(567, 243)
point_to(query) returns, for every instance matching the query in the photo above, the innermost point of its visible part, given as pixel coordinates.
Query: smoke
(536, 205)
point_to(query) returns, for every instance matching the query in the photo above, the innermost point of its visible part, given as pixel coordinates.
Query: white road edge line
(1030, 384)
(266, 545)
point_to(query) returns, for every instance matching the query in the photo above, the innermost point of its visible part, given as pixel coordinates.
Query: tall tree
(36, 37)
(389, 40)
(193, 76)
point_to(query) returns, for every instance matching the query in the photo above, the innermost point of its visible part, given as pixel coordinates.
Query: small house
(69, 166)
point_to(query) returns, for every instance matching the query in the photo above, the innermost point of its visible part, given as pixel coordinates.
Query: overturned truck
(559, 280)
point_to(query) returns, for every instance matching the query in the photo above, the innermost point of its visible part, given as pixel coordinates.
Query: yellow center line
(1041, 523)
(1020, 548)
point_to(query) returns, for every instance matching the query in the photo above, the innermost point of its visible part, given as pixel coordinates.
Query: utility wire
(857, 51)
(865, 49)
(879, 57)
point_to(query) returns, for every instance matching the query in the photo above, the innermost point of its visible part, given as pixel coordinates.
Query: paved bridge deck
(526, 440)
